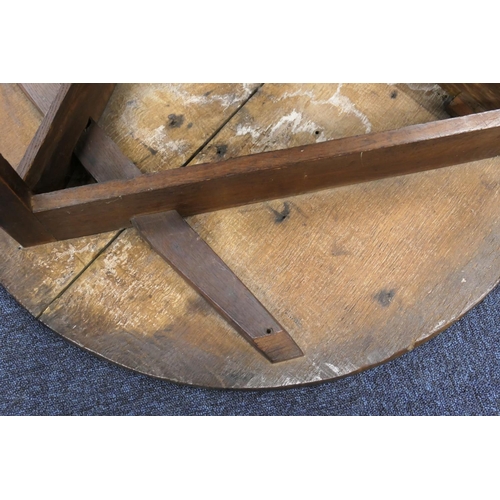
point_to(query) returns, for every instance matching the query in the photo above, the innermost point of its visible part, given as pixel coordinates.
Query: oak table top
(357, 275)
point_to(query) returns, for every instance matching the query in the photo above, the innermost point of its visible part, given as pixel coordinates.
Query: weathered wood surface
(41, 94)
(102, 157)
(37, 275)
(357, 275)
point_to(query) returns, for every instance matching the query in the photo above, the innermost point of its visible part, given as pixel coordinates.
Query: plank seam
(216, 133)
(65, 289)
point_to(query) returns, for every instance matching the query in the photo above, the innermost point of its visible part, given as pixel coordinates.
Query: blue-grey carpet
(457, 373)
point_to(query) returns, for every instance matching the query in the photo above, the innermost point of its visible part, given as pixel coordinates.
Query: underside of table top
(357, 275)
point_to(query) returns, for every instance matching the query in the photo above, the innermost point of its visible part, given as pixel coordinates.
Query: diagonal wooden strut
(178, 244)
(42, 95)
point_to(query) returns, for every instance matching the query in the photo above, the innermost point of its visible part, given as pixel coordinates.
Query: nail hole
(317, 132)
(269, 330)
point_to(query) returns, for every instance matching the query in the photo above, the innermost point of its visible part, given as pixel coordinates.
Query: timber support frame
(36, 208)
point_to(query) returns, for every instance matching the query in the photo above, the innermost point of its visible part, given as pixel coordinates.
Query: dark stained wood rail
(109, 206)
(478, 96)
(46, 163)
(16, 216)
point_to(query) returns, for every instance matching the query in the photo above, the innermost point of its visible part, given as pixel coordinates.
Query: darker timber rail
(155, 204)
(111, 205)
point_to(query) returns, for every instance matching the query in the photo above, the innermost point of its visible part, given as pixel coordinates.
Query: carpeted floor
(457, 373)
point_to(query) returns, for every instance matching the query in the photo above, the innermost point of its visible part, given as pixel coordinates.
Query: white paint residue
(248, 88)
(158, 139)
(295, 122)
(341, 102)
(423, 87)
(116, 259)
(334, 368)
(225, 100)
(71, 252)
(246, 129)
(68, 255)
(347, 106)
(298, 93)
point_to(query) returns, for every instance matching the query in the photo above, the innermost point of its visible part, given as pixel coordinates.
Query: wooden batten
(16, 217)
(42, 95)
(179, 245)
(203, 188)
(477, 96)
(46, 163)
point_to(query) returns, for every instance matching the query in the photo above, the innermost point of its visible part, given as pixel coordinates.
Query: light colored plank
(18, 123)
(160, 126)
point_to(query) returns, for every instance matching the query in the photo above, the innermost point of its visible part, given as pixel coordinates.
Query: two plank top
(357, 274)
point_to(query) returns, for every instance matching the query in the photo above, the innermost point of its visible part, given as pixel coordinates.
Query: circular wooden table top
(357, 275)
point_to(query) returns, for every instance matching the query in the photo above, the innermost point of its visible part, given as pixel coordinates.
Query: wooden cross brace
(36, 208)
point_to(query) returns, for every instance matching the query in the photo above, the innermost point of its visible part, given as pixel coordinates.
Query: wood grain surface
(42, 95)
(357, 274)
(36, 276)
